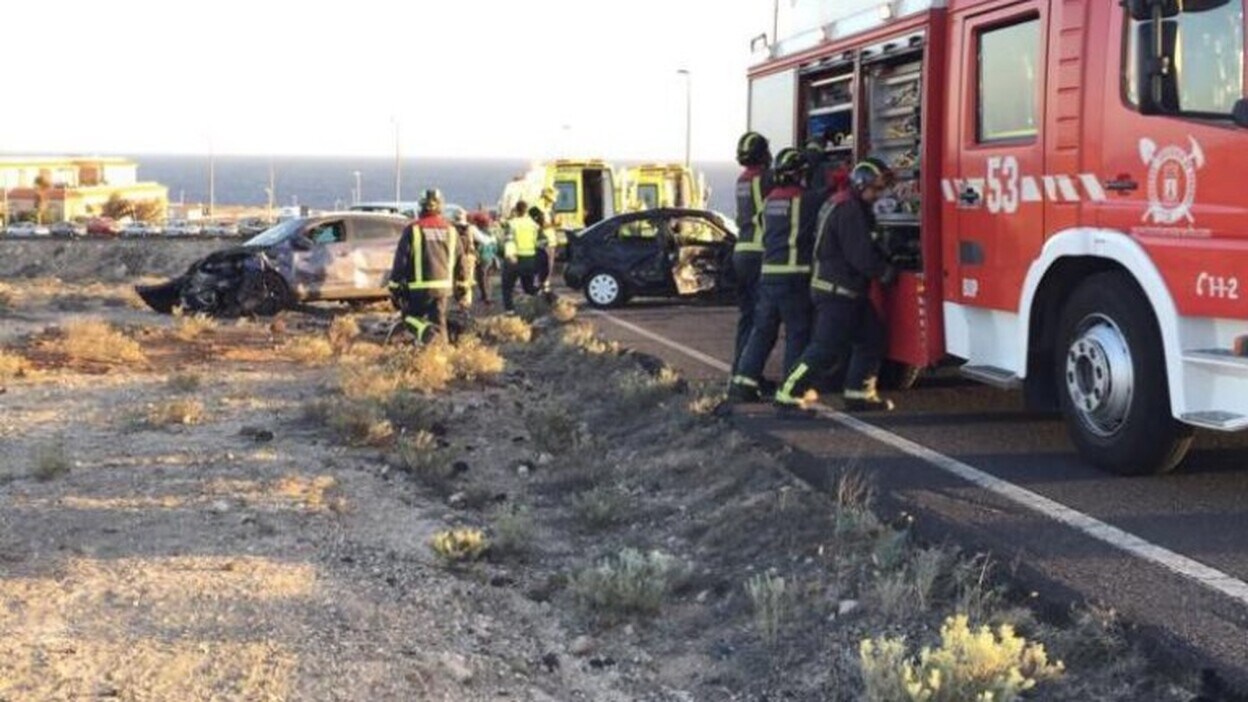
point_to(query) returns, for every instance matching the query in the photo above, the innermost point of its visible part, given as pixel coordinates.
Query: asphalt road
(1193, 519)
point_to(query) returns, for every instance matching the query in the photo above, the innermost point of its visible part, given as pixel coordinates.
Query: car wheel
(264, 294)
(605, 290)
(1112, 383)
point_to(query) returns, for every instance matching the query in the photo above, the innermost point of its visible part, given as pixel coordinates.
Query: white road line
(1125, 541)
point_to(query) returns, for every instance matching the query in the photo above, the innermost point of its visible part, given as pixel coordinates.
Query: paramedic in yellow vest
(425, 271)
(520, 255)
(548, 243)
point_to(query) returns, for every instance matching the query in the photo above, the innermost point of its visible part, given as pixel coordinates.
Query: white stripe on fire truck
(1031, 190)
(1057, 188)
(1092, 184)
(1067, 186)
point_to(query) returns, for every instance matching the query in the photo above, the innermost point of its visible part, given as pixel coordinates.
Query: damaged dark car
(655, 253)
(340, 257)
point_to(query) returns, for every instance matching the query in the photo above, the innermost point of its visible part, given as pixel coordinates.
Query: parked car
(140, 230)
(253, 226)
(221, 229)
(665, 252)
(407, 209)
(181, 227)
(26, 229)
(103, 226)
(342, 257)
(68, 230)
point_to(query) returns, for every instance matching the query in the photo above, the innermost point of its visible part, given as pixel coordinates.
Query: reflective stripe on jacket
(789, 219)
(753, 187)
(427, 256)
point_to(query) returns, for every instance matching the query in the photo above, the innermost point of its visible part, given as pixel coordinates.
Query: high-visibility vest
(433, 257)
(522, 240)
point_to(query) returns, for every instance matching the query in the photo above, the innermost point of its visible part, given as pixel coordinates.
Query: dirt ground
(254, 549)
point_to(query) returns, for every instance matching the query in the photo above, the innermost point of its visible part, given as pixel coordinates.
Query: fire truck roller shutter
(773, 104)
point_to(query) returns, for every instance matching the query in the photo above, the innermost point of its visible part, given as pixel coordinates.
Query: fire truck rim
(1100, 375)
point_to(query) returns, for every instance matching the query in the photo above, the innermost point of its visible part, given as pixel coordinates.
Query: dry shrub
(773, 601)
(364, 352)
(343, 332)
(504, 329)
(183, 412)
(583, 337)
(428, 369)
(514, 532)
(8, 296)
(600, 507)
(563, 311)
(185, 382)
(555, 430)
(422, 458)
(358, 381)
(309, 350)
(96, 340)
(354, 423)
(459, 545)
(473, 360)
(13, 365)
(191, 327)
(968, 665)
(50, 460)
(629, 584)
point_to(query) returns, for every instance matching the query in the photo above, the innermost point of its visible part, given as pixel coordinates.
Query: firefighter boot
(790, 402)
(867, 399)
(744, 391)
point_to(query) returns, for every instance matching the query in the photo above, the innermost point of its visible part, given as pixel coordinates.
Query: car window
(695, 230)
(639, 229)
(327, 233)
(375, 230)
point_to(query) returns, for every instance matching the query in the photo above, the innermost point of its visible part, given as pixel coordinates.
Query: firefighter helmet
(790, 166)
(753, 150)
(431, 201)
(871, 173)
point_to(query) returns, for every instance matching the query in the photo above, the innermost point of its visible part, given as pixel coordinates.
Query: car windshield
(276, 235)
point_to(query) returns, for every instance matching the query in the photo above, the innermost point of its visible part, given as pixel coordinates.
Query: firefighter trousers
(425, 315)
(782, 301)
(843, 326)
(748, 268)
(524, 271)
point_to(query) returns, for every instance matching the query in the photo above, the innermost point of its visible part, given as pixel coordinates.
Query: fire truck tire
(895, 375)
(1111, 378)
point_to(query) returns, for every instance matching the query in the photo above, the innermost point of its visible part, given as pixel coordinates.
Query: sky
(463, 78)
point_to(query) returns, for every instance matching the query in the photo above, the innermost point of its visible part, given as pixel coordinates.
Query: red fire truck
(1069, 212)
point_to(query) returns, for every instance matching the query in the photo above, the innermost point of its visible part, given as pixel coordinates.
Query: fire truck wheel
(1111, 376)
(895, 375)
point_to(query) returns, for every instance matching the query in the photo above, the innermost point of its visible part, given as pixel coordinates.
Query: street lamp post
(688, 115)
(359, 194)
(398, 164)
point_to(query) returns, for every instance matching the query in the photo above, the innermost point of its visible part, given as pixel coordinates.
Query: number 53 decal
(1003, 178)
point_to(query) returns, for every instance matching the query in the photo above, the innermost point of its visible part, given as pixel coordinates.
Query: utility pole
(398, 163)
(688, 116)
(272, 189)
(212, 179)
(359, 193)
(775, 22)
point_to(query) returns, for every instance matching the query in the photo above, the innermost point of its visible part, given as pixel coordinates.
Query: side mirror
(1240, 113)
(300, 242)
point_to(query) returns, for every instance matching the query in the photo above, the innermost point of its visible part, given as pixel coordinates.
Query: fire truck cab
(1069, 211)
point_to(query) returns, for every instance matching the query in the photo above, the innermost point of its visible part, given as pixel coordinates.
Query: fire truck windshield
(1206, 49)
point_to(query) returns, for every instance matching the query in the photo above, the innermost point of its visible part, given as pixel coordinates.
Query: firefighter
(847, 260)
(789, 218)
(753, 187)
(520, 255)
(468, 263)
(426, 270)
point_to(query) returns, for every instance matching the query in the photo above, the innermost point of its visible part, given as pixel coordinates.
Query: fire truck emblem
(1171, 181)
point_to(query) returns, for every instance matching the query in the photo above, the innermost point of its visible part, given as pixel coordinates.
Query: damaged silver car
(339, 257)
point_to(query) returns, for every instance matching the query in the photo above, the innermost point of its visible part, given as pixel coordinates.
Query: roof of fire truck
(825, 21)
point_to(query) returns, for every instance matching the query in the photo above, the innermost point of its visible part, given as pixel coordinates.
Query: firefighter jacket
(468, 262)
(789, 218)
(521, 238)
(753, 187)
(847, 257)
(428, 258)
